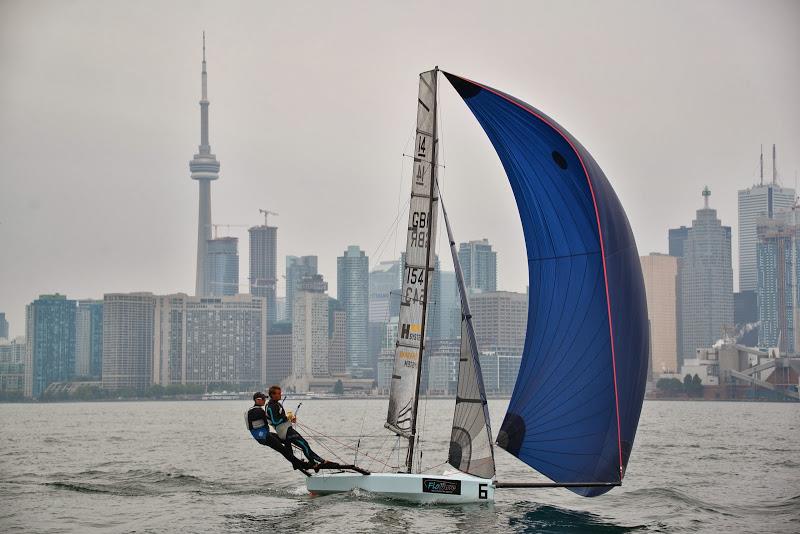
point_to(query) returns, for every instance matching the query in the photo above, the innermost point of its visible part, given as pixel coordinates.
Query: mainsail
(471, 437)
(579, 392)
(420, 244)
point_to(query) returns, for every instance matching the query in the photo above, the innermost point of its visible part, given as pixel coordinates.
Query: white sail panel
(420, 246)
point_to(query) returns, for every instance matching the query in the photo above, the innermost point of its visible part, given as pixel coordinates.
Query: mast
(417, 269)
(428, 269)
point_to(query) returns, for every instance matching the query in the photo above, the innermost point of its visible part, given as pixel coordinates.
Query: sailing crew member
(283, 426)
(256, 420)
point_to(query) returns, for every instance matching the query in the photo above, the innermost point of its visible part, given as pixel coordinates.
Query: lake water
(192, 467)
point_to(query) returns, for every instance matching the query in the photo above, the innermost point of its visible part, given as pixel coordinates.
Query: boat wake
(144, 482)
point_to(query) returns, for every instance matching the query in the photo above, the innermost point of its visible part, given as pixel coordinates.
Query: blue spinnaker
(579, 392)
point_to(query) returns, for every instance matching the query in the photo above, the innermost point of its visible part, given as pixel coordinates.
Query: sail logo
(407, 355)
(436, 485)
(410, 331)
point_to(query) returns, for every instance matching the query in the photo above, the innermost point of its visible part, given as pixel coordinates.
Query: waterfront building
(127, 340)
(3, 326)
(337, 338)
(204, 168)
(500, 370)
(660, 273)
(169, 363)
(353, 292)
(296, 268)
(89, 338)
(479, 265)
(225, 340)
(264, 265)
(309, 332)
(12, 366)
(775, 290)
(279, 352)
(223, 267)
(385, 282)
(500, 320)
(442, 357)
(50, 348)
(13, 351)
(705, 282)
(756, 202)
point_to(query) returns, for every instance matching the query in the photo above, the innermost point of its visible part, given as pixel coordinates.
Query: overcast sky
(313, 104)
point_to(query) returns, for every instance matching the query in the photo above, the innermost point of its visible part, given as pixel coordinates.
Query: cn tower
(204, 168)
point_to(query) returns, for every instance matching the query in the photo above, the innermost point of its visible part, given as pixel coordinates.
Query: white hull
(453, 488)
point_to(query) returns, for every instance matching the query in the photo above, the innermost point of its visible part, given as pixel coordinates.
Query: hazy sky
(313, 104)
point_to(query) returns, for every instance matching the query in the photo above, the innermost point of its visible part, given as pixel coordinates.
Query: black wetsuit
(257, 424)
(277, 416)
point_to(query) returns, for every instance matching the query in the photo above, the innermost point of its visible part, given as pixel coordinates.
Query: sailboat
(578, 396)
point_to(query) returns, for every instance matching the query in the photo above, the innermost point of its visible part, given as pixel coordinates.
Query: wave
(668, 496)
(552, 519)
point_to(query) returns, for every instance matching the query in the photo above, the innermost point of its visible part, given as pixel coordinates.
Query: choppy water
(192, 467)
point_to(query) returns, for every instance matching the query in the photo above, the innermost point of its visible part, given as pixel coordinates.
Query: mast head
(706, 194)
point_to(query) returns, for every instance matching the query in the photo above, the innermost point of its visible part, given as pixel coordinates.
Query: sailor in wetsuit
(256, 420)
(285, 430)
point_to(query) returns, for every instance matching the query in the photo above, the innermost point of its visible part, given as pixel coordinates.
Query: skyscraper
(449, 306)
(127, 340)
(385, 281)
(337, 338)
(89, 338)
(677, 237)
(3, 326)
(279, 352)
(296, 268)
(223, 267)
(50, 351)
(169, 364)
(705, 282)
(660, 273)
(762, 200)
(479, 265)
(309, 332)
(353, 292)
(204, 168)
(776, 302)
(264, 265)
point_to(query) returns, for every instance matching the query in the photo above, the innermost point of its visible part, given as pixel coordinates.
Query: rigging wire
(316, 434)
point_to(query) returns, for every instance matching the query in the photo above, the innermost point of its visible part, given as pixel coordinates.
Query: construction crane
(267, 213)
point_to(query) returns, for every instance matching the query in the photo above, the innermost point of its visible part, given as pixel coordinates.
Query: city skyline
(74, 234)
